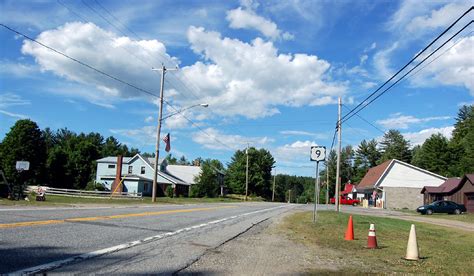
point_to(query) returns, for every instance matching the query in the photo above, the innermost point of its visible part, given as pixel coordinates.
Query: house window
(111, 166)
(145, 187)
(143, 170)
(130, 169)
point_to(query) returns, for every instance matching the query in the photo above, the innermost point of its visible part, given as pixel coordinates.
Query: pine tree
(366, 157)
(394, 146)
(434, 155)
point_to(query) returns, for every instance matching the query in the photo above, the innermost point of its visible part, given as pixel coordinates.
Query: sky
(271, 72)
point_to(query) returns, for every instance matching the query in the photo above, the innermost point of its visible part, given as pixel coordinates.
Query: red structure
(118, 176)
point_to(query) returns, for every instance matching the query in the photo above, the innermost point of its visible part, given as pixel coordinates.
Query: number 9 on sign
(318, 153)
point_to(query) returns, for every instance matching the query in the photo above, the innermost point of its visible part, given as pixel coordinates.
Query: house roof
(376, 174)
(186, 173)
(450, 185)
(373, 175)
(127, 160)
(470, 177)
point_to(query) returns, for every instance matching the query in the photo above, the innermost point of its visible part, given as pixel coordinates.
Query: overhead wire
(112, 77)
(363, 119)
(183, 82)
(118, 29)
(406, 74)
(408, 63)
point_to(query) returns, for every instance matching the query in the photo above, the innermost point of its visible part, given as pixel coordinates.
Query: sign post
(318, 153)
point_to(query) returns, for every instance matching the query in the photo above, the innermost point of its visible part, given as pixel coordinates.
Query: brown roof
(470, 177)
(373, 175)
(448, 186)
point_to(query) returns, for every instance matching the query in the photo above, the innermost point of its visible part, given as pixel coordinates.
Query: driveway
(404, 216)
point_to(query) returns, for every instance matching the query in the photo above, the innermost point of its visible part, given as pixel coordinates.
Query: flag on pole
(167, 140)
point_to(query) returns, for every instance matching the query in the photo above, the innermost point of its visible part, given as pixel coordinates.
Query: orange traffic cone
(372, 240)
(350, 230)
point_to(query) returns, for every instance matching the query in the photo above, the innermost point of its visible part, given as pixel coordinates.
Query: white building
(137, 173)
(398, 184)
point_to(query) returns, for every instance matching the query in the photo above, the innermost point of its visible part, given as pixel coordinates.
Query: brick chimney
(118, 175)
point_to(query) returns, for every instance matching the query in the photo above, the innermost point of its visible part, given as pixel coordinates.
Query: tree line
(60, 159)
(67, 160)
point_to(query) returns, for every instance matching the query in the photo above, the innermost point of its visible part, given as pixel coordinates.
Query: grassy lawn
(465, 217)
(55, 200)
(443, 250)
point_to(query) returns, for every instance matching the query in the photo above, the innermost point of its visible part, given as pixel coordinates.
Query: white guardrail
(86, 194)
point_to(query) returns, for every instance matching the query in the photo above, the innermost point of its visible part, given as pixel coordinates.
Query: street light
(184, 109)
(157, 154)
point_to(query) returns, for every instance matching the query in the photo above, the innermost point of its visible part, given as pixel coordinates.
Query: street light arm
(184, 109)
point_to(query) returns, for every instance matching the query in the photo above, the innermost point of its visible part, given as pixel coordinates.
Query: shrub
(169, 191)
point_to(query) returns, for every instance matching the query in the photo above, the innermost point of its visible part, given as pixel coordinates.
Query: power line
(362, 118)
(407, 64)
(111, 77)
(80, 62)
(402, 77)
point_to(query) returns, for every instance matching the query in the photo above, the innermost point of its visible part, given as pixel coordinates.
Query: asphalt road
(133, 240)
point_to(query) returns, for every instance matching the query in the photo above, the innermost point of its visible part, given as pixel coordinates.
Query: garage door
(470, 202)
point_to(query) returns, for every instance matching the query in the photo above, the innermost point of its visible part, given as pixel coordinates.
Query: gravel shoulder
(265, 249)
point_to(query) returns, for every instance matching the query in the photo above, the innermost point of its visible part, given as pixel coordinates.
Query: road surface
(144, 240)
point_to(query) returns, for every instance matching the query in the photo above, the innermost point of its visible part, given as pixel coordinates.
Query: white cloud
(14, 115)
(18, 69)
(400, 121)
(415, 18)
(304, 133)
(247, 19)
(299, 150)
(382, 61)
(10, 99)
(144, 136)
(102, 50)
(418, 138)
(454, 67)
(212, 138)
(252, 79)
(149, 119)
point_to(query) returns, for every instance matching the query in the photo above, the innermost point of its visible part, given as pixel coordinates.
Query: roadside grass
(57, 200)
(443, 251)
(464, 217)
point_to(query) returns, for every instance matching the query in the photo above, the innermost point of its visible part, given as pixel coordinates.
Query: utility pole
(327, 183)
(158, 132)
(339, 130)
(247, 174)
(316, 192)
(274, 179)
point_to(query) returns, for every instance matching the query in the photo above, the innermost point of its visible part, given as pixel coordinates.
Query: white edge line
(97, 253)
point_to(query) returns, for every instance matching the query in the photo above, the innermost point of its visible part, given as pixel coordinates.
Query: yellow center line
(59, 221)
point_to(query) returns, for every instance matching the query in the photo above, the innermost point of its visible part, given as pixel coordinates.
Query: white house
(398, 184)
(137, 173)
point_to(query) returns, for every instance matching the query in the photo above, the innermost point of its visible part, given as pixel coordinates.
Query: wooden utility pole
(338, 170)
(247, 174)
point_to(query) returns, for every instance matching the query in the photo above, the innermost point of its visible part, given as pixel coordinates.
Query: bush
(92, 186)
(169, 191)
(194, 192)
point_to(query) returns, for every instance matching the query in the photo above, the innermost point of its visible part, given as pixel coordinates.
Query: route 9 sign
(318, 153)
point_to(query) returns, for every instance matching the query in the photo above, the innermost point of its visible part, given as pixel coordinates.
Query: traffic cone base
(372, 239)
(350, 230)
(412, 246)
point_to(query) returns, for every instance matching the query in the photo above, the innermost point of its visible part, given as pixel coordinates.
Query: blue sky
(271, 71)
